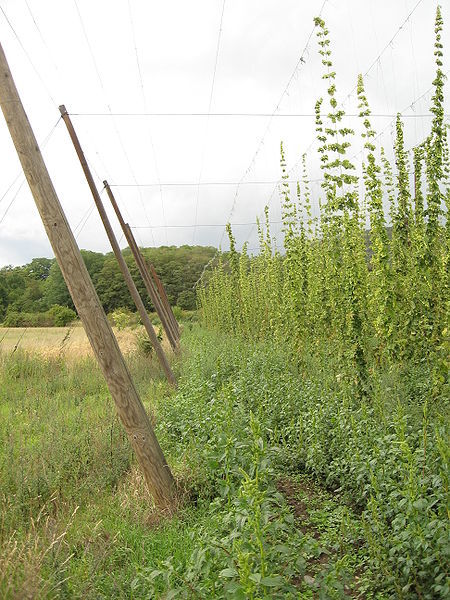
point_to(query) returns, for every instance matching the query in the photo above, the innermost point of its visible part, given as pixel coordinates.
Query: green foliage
(61, 315)
(372, 310)
(177, 312)
(38, 268)
(3, 301)
(35, 287)
(385, 456)
(242, 418)
(123, 318)
(144, 345)
(56, 316)
(186, 300)
(368, 331)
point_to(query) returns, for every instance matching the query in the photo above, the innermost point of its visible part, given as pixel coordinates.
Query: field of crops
(308, 434)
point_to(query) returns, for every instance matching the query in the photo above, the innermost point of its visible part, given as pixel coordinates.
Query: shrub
(186, 300)
(177, 312)
(123, 317)
(56, 316)
(22, 319)
(61, 315)
(144, 344)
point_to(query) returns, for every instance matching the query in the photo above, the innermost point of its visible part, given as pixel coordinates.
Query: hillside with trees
(38, 286)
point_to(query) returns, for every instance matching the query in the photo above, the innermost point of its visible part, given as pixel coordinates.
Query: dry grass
(70, 342)
(23, 558)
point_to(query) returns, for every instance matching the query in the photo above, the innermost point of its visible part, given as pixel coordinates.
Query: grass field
(283, 495)
(55, 341)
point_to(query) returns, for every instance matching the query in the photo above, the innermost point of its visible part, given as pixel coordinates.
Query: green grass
(77, 521)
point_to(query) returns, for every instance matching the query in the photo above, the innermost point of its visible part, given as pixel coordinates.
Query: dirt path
(335, 556)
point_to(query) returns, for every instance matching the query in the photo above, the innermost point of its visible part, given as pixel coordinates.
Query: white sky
(174, 44)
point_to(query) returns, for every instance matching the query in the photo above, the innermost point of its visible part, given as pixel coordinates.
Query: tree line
(35, 289)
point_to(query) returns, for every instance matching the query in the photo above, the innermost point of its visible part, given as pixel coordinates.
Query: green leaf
(273, 581)
(228, 573)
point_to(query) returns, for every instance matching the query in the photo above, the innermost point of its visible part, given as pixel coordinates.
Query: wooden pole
(129, 406)
(115, 246)
(143, 271)
(151, 288)
(154, 284)
(164, 298)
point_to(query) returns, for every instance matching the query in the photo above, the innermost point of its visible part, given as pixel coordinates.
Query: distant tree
(111, 287)
(186, 300)
(3, 300)
(56, 291)
(61, 315)
(39, 268)
(35, 287)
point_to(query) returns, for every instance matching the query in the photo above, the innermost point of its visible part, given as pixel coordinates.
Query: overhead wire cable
(415, 81)
(193, 183)
(299, 63)
(41, 36)
(388, 45)
(11, 185)
(83, 223)
(44, 43)
(35, 69)
(85, 219)
(12, 201)
(205, 137)
(43, 144)
(180, 226)
(228, 114)
(85, 215)
(99, 77)
(144, 100)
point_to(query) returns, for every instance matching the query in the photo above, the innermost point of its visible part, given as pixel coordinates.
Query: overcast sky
(143, 56)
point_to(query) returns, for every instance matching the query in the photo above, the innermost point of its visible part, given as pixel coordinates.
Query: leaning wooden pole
(129, 406)
(164, 298)
(151, 288)
(142, 269)
(152, 283)
(116, 249)
(149, 285)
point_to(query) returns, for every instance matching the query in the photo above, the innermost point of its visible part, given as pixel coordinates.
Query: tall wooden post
(129, 406)
(164, 298)
(153, 283)
(151, 288)
(115, 246)
(171, 335)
